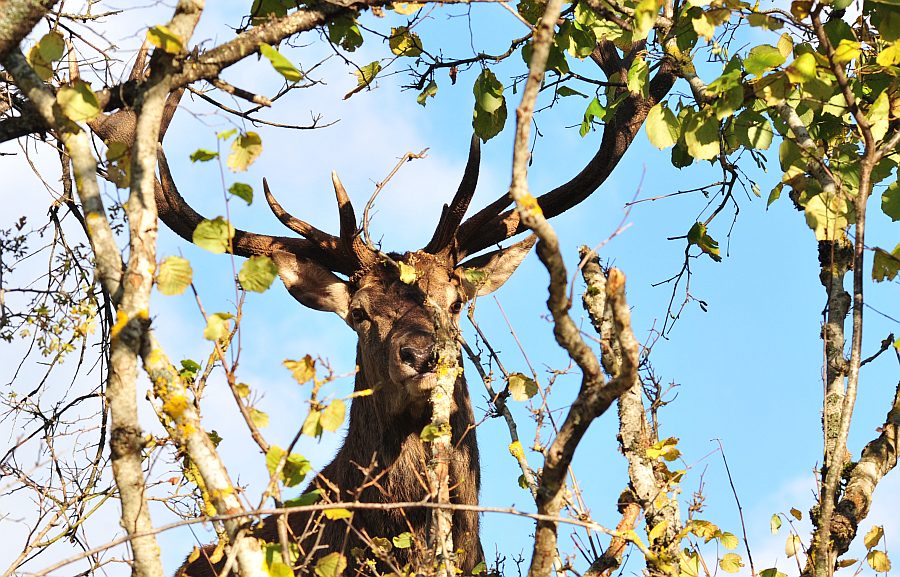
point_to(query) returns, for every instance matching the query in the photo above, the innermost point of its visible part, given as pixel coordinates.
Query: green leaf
(259, 418)
(280, 63)
(203, 155)
(344, 32)
(488, 92)
(242, 191)
(174, 275)
(305, 499)
(762, 58)
(701, 135)
(644, 18)
(333, 415)
(51, 46)
(331, 565)
(753, 130)
(890, 201)
(885, 266)
(879, 116)
(311, 425)
(889, 56)
(226, 134)
(429, 91)
(639, 78)
(661, 126)
(431, 432)
(847, 51)
(593, 110)
(273, 457)
(521, 387)
(257, 274)
(873, 537)
(697, 235)
(403, 540)
(405, 43)
(771, 572)
(785, 45)
(728, 540)
(189, 369)
(760, 20)
(878, 560)
(731, 563)
(827, 215)
(166, 40)
(214, 235)
(566, 91)
(303, 370)
(245, 149)
(775, 523)
(479, 569)
(279, 569)
(78, 102)
(366, 74)
(295, 470)
(217, 326)
(802, 69)
(118, 164)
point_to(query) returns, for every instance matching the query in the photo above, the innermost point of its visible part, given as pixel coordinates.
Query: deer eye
(358, 315)
(456, 307)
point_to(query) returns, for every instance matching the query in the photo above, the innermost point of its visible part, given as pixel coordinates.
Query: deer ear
(312, 284)
(484, 274)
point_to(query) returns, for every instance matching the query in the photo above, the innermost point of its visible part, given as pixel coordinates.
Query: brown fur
(383, 459)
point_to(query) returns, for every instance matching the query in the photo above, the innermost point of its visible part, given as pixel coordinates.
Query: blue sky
(748, 369)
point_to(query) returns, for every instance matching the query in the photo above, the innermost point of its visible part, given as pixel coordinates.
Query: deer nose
(419, 359)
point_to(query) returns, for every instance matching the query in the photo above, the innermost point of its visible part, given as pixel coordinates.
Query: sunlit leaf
(259, 418)
(408, 273)
(775, 522)
(245, 149)
(257, 274)
(78, 102)
(521, 387)
(728, 540)
(885, 266)
(366, 74)
(701, 135)
(878, 560)
(762, 58)
(331, 565)
(403, 540)
(280, 63)
(639, 77)
(665, 449)
(214, 235)
(846, 51)
(217, 326)
(890, 201)
(429, 91)
(311, 425)
(661, 126)
(431, 432)
(333, 415)
(731, 563)
(165, 39)
(593, 111)
(335, 514)
(873, 537)
(303, 370)
(793, 546)
(403, 42)
(174, 275)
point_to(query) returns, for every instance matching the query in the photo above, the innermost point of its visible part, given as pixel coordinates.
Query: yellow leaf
(303, 370)
(516, 450)
(406, 8)
(873, 536)
(407, 273)
(166, 40)
(405, 43)
(878, 560)
(846, 51)
(658, 531)
(78, 102)
(793, 546)
(731, 563)
(245, 149)
(337, 514)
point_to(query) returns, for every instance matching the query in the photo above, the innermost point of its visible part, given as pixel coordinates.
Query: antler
(348, 244)
(452, 214)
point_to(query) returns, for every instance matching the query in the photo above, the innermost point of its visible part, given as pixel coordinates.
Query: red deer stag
(396, 328)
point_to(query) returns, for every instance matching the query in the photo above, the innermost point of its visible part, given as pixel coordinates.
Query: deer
(382, 458)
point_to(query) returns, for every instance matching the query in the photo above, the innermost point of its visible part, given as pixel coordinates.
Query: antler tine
(183, 219)
(345, 210)
(452, 214)
(301, 227)
(349, 237)
(140, 61)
